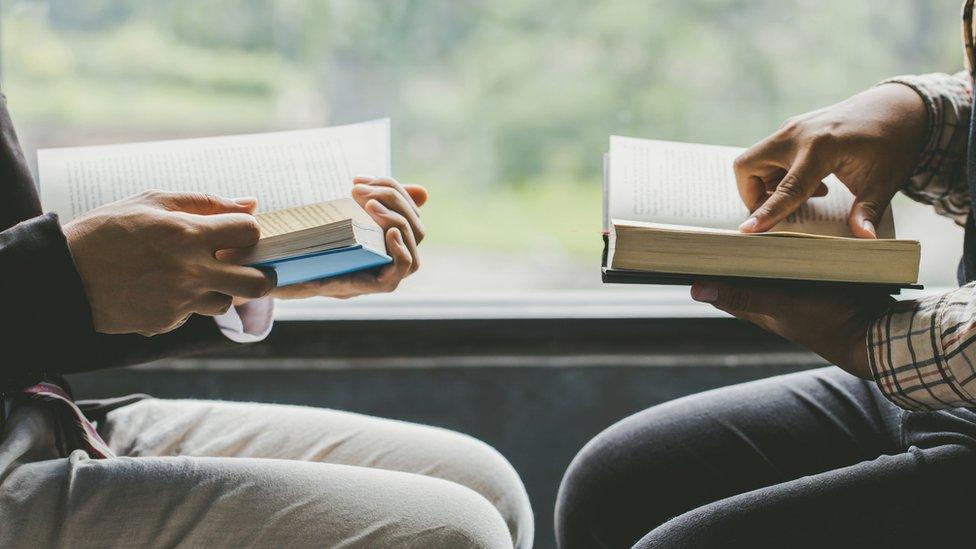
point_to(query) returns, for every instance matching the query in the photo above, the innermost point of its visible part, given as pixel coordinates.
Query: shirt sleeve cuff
(909, 359)
(247, 323)
(946, 99)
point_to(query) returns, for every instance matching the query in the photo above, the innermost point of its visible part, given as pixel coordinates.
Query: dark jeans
(814, 459)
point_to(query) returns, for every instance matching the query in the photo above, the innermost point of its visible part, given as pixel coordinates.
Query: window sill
(623, 326)
(617, 302)
(610, 302)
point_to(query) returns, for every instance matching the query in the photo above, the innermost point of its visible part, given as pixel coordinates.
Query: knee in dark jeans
(711, 527)
(604, 499)
(584, 491)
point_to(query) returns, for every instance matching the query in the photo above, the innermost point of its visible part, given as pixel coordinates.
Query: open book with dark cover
(310, 227)
(671, 216)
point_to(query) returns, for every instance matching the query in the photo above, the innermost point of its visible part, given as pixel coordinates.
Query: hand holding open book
(672, 214)
(315, 224)
(401, 230)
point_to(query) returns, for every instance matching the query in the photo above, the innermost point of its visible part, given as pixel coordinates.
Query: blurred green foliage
(502, 107)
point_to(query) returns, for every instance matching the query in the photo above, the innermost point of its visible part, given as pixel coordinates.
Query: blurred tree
(486, 95)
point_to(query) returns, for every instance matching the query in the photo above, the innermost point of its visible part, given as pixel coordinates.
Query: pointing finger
(759, 164)
(803, 179)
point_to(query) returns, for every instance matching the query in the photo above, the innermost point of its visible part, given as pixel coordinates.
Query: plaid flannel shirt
(922, 352)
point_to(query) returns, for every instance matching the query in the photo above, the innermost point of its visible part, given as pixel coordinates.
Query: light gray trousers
(205, 474)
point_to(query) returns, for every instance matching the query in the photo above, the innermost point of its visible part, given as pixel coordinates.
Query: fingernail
(869, 227)
(704, 293)
(749, 225)
(363, 178)
(378, 206)
(246, 201)
(361, 189)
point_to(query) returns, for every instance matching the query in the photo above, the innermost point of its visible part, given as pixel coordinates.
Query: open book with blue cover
(310, 227)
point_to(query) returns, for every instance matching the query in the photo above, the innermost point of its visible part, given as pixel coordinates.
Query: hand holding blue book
(302, 180)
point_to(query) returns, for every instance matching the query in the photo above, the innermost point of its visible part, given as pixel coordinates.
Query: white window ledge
(607, 302)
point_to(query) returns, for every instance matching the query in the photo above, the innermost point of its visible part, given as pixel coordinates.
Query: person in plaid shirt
(885, 457)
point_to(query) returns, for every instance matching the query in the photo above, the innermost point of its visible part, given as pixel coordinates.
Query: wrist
(73, 233)
(910, 111)
(856, 362)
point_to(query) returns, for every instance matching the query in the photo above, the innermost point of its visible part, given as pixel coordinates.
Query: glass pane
(501, 107)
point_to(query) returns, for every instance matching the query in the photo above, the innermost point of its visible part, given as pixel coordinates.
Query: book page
(280, 169)
(299, 218)
(687, 184)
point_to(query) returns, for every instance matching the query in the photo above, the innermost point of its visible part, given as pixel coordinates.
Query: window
(501, 107)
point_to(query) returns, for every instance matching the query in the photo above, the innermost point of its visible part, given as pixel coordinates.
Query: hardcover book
(671, 216)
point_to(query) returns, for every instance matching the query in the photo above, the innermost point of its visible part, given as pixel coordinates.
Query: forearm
(247, 323)
(922, 352)
(101, 351)
(939, 177)
(200, 334)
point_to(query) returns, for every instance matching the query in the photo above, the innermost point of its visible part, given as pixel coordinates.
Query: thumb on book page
(801, 182)
(204, 204)
(866, 212)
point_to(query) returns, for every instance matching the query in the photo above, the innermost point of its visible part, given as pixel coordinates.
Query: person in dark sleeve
(201, 473)
(879, 451)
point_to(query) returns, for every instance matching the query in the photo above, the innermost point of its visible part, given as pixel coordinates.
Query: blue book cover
(327, 264)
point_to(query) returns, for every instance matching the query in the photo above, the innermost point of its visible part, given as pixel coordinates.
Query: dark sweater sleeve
(45, 311)
(46, 326)
(45, 320)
